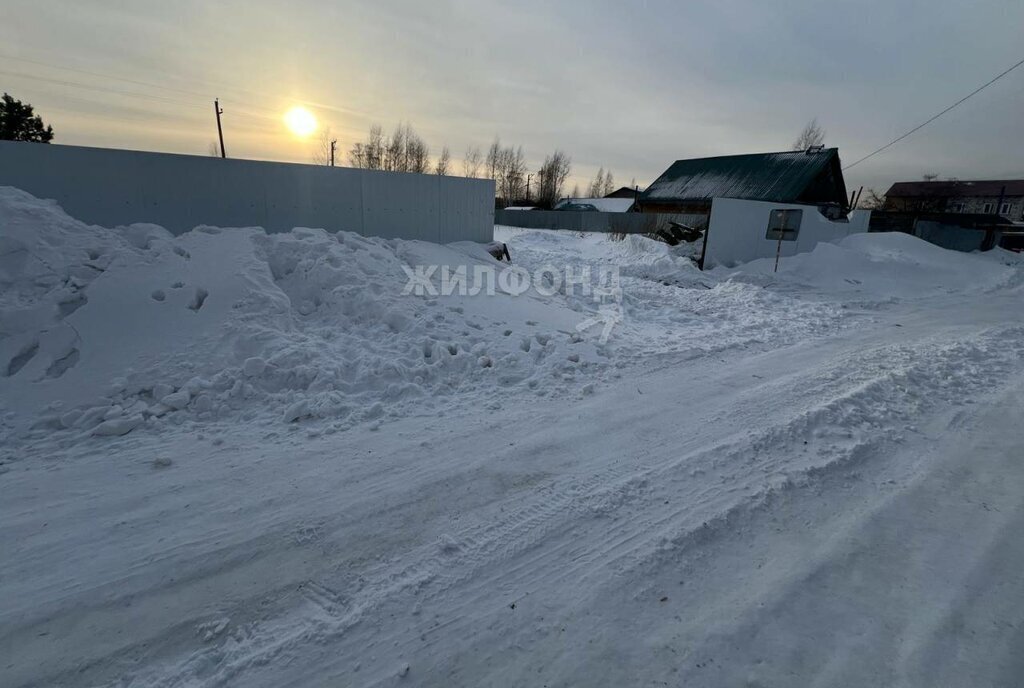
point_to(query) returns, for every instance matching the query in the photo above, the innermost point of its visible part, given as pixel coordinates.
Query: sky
(627, 86)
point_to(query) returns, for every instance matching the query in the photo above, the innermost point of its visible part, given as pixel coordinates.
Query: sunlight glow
(300, 121)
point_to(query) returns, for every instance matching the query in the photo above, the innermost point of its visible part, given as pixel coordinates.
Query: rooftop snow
(604, 205)
(781, 177)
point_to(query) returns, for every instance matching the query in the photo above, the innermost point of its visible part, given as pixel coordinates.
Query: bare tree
(929, 177)
(551, 177)
(417, 152)
(575, 191)
(395, 159)
(603, 184)
(322, 148)
(443, 162)
(609, 183)
(595, 186)
(872, 200)
(493, 161)
(471, 162)
(357, 156)
(506, 165)
(403, 151)
(812, 135)
(512, 173)
(375, 148)
(369, 154)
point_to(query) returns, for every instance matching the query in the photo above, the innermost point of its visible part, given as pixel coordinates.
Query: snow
(604, 205)
(759, 176)
(893, 264)
(232, 323)
(233, 458)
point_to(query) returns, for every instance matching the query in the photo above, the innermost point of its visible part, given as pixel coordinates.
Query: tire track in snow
(873, 398)
(640, 539)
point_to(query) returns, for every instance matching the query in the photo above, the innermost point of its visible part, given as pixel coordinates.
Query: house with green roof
(810, 177)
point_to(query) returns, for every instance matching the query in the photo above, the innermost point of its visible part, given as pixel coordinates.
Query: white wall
(115, 187)
(737, 229)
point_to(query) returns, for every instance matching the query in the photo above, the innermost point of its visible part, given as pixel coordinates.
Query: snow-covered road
(840, 512)
(840, 507)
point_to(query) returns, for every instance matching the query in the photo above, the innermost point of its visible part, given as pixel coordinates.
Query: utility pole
(334, 142)
(220, 131)
(528, 178)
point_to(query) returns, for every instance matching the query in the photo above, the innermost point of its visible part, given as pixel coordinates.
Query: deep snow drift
(107, 331)
(239, 459)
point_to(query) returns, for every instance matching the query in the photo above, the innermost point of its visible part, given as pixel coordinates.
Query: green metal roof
(781, 177)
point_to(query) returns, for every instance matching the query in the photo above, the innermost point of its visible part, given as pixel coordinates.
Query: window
(1004, 208)
(958, 207)
(987, 209)
(784, 225)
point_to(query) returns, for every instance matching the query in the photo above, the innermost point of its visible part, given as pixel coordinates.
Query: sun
(300, 121)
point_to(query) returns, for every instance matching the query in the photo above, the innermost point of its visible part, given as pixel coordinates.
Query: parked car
(585, 207)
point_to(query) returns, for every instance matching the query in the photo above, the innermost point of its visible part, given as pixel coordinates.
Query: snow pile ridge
(890, 264)
(106, 330)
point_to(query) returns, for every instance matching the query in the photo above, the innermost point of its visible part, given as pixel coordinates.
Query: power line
(112, 77)
(932, 119)
(245, 111)
(105, 76)
(214, 86)
(101, 89)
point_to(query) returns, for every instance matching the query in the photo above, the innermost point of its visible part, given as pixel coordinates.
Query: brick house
(1004, 197)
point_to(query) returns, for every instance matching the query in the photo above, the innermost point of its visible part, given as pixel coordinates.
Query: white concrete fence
(117, 187)
(738, 231)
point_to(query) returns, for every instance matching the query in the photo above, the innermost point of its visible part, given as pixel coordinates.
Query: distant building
(811, 177)
(624, 192)
(1003, 197)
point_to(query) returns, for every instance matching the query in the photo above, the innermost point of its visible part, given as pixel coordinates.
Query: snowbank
(891, 264)
(108, 329)
(105, 331)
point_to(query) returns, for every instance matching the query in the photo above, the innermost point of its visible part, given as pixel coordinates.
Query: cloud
(627, 86)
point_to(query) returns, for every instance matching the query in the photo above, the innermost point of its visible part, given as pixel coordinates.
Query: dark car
(585, 207)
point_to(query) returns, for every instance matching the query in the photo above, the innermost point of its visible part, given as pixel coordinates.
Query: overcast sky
(630, 86)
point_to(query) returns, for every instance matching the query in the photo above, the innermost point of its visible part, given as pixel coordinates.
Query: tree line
(404, 150)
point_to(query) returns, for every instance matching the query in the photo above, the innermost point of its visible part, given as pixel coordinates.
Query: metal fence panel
(115, 187)
(579, 221)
